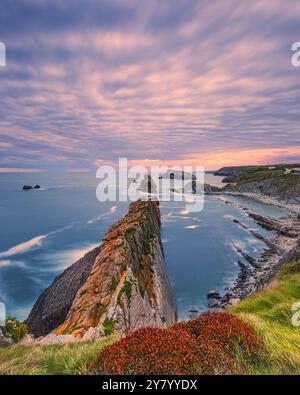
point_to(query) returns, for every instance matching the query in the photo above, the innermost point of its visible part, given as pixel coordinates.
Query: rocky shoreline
(268, 200)
(257, 274)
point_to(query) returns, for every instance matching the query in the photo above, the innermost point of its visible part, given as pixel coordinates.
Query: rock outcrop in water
(29, 187)
(126, 286)
(276, 225)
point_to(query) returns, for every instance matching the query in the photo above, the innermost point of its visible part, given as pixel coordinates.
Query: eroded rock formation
(127, 286)
(53, 305)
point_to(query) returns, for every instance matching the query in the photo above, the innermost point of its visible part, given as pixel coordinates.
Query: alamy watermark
(296, 56)
(295, 309)
(2, 55)
(2, 313)
(162, 183)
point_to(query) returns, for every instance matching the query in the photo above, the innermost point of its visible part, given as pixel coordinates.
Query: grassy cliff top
(269, 313)
(55, 359)
(268, 181)
(240, 170)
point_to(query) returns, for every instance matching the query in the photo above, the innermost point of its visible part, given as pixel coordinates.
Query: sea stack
(127, 285)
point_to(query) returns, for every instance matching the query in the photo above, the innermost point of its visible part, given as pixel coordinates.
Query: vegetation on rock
(108, 326)
(221, 338)
(123, 280)
(207, 345)
(268, 180)
(150, 351)
(15, 329)
(229, 344)
(270, 313)
(73, 358)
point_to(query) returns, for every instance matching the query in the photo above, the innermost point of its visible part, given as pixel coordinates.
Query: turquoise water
(44, 231)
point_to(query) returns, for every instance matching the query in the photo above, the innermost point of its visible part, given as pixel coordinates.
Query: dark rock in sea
(213, 302)
(226, 297)
(248, 258)
(27, 187)
(242, 265)
(53, 305)
(213, 294)
(37, 187)
(271, 224)
(193, 310)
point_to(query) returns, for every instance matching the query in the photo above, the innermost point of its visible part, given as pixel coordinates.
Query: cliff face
(285, 187)
(53, 305)
(267, 180)
(236, 170)
(127, 286)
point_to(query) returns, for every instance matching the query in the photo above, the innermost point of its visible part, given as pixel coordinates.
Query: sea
(44, 231)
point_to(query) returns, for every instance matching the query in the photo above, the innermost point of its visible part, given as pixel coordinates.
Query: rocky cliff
(271, 181)
(127, 285)
(53, 305)
(283, 187)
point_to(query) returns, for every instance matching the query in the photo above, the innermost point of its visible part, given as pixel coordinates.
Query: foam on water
(21, 248)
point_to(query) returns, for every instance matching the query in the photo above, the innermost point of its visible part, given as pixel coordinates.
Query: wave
(191, 227)
(92, 221)
(32, 244)
(64, 257)
(184, 212)
(5, 263)
(112, 210)
(8, 262)
(28, 245)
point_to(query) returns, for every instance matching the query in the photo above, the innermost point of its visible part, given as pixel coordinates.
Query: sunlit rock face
(127, 286)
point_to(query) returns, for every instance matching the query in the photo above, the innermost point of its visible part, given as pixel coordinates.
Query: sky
(196, 82)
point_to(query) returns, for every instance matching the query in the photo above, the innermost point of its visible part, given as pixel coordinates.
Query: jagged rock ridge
(127, 284)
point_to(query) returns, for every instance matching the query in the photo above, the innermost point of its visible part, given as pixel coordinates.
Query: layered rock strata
(127, 286)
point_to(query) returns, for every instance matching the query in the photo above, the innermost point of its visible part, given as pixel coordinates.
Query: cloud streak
(165, 81)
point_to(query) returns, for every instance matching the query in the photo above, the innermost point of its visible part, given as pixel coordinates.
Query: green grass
(64, 359)
(269, 313)
(259, 175)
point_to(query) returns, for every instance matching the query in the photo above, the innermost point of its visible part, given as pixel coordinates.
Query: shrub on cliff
(109, 326)
(223, 339)
(213, 343)
(151, 351)
(15, 329)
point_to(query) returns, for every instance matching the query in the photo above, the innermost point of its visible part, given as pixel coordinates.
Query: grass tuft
(269, 313)
(56, 359)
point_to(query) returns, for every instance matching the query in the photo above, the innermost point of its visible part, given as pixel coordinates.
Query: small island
(29, 187)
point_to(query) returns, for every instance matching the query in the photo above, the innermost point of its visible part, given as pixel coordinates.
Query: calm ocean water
(44, 231)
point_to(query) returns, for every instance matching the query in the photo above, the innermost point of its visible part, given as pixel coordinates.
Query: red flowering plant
(221, 338)
(206, 345)
(151, 351)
